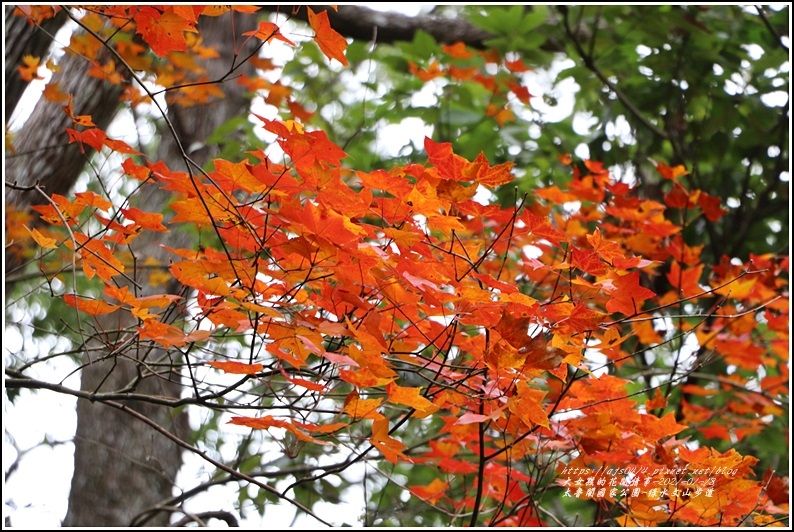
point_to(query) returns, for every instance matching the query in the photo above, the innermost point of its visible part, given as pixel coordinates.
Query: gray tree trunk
(138, 465)
(123, 468)
(23, 41)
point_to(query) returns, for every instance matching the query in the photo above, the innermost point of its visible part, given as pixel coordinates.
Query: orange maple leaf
(97, 258)
(392, 449)
(330, 42)
(410, 397)
(671, 173)
(267, 422)
(93, 137)
(457, 50)
(52, 93)
(169, 335)
(163, 31)
(146, 220)
(94, 307)
(527, 405)
(518, 349)
(431, 493)
(606, 249)
(268, 31)
(237, 368)
(92, 199)
(686, 281)
(41, 240)
(433, 70)
(30, 68)
(711, 207)
(626, 293)
(492, 176)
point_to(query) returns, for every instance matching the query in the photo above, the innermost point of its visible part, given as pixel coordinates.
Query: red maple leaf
(164, 32)
(627, 294)
(330, 42)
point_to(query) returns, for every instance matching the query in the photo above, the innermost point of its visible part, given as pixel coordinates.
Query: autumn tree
(505, 321)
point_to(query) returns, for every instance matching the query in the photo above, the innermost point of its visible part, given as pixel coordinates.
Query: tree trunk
(24, 42)
(123, 468)
(138, 466)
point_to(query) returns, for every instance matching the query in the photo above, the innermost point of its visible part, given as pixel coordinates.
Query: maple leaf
(120, 146)
(163, 31)
(678, 197)
(268, 422)
(607, 250)
(492, 176)
(657, 401)
(517, 66)
(455, 167)
(410, 397)
(30, 68)
(93, 137)
(502, 115)
(358, 408)
(268, 31)
(330, 42)
(237, 368)
(686, 281)
(94, 307)
(521, 92)
(63, 210)
(527, 405)
(431, 493)
(169, 335)
(540, 227)
(145, 220)
(518, 349)
(671, 173)
(776, 487)
(236, 176)
(626, 293)
(588, 261)
(457, 50)
(106, 72)
(440, 155)
(391, 448)
(445, 224)
(52, 93)
(41, 240)
(97, 258)
(711, 207)
(432, 72)
(92, 199)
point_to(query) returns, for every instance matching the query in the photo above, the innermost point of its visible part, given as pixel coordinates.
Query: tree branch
(771, 28)
(362, 23)
(590, 64)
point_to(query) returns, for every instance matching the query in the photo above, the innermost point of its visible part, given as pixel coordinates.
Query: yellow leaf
(42, 240)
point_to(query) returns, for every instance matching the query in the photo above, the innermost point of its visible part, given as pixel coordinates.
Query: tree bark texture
(362, 23)
(123, 468)
(138, 466)
(42, 154)
(24, 41)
